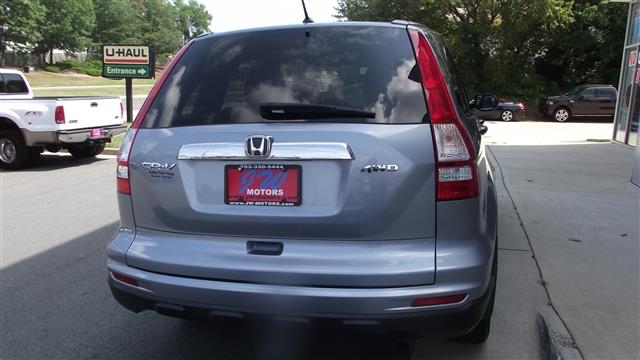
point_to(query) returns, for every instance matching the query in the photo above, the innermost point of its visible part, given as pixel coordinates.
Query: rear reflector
(59, 115)
(440, 300)
(125, 279)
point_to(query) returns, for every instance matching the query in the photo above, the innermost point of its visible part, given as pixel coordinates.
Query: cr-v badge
(376, 168)
(157, 166)
(158, 170)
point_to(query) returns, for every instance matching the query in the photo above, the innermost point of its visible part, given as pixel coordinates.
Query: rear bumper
(380, 308)
(82, 135)
(42, 138)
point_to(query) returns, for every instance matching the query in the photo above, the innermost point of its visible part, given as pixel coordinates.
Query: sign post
(128, 62)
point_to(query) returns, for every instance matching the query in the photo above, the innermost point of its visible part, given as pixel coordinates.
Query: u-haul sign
(116, 54)
(128, 61)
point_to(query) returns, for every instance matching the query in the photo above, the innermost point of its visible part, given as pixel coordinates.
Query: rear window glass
(14, 84)
(225, 79)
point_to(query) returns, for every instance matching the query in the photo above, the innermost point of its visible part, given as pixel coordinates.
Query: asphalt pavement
(56, 218)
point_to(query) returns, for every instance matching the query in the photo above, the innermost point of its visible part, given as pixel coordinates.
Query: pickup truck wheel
(561, 114)
(53, 148)
(14, 153)
(85, 150)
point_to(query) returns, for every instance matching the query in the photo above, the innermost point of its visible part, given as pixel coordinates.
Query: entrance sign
(128, 61)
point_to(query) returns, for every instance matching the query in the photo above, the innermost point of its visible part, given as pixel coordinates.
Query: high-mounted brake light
(457, 177)
(123, 183)
(59, 115)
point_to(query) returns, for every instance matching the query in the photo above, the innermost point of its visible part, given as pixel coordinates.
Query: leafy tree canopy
(516, 48)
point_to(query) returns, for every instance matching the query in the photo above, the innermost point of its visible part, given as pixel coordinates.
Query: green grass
(110, 91)
(116, 141)
(46, 79)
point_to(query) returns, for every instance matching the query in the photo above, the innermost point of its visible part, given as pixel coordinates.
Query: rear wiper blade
(300, 111)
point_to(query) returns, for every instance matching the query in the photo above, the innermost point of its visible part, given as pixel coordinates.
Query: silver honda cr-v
(320, 171)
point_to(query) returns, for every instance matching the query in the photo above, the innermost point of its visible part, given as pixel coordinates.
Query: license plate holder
(96, 133)
(263, 185)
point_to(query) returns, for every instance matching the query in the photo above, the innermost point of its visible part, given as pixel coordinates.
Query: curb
(555, 341)
(108, 151)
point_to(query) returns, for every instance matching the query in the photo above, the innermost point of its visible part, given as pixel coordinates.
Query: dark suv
(319, 171)
(585, 100)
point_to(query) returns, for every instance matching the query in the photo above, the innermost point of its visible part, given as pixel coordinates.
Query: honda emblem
(258, 146)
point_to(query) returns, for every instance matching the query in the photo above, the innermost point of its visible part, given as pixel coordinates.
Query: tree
(499, 40)
(193, 19)
(19, 20)
(158, 26)
(588, 48)
(67, 25)
(116, 22)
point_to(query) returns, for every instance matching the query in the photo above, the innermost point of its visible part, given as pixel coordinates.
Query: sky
(242, 14)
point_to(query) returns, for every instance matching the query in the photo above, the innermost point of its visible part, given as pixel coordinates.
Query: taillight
(59, 116)
(522, 106)
(455, 156)
(122, 171)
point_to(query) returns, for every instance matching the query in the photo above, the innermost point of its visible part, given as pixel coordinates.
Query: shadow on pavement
(57, 305)
(50, 161)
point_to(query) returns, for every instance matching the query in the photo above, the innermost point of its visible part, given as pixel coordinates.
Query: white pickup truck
(29, 125)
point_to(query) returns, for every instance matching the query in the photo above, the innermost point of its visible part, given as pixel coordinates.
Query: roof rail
(404, 22)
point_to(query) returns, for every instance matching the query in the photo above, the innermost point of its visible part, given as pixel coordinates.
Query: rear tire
(506, 115)
(14, 153)
(85, 150)
(561, 114)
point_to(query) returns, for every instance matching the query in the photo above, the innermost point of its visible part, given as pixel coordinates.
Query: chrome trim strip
(279, 151)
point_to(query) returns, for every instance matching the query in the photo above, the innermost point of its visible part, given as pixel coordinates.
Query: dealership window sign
(128, 62)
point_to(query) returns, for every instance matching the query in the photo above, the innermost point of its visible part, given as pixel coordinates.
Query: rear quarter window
(224, 79)
(14, 84)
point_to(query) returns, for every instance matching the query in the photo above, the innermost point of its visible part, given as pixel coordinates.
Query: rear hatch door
(344, 200)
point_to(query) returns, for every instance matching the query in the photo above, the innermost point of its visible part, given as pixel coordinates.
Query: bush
(89, 67)
(52, 68)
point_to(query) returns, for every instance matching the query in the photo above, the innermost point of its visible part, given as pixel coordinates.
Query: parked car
(484, 106)
(300, 172)
(28, 125)
(583, 101)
